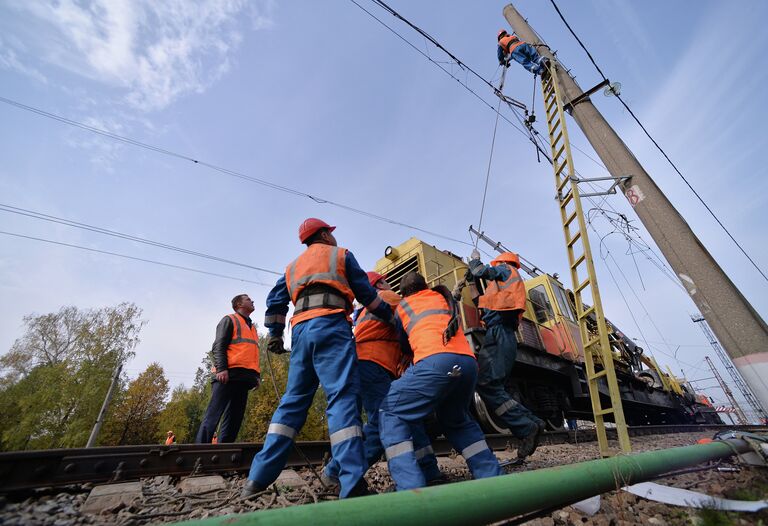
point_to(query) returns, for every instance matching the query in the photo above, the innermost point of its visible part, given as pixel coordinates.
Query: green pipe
(489, 500)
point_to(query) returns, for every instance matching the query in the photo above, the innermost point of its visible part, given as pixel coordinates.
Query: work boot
(361, 489)
(332, 484)
(251, 488)
(529, 443)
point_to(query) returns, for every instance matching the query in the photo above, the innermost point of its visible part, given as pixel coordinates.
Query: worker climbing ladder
(597, 349)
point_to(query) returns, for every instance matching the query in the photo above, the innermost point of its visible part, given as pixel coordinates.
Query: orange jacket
(505, 295)
(509, 43)
(243, 351)
(425, 315)
(169, 440)
(319, 265)
(376, 339)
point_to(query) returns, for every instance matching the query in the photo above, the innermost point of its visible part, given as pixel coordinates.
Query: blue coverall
(322, 351)
(496, 359)
(425, 387)
(525, 55)
(375, 382)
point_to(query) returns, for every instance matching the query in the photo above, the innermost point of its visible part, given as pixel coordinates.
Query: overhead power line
(179, 267)
(656, 144)
(100, 230)
(221, 169)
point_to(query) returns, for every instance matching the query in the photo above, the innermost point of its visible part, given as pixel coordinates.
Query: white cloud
(10, 60)
(155, 51)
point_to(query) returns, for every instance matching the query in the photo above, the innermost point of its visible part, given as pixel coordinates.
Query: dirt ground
(162, 501)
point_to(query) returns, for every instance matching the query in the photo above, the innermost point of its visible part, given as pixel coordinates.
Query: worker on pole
(322, 283)
(379, 355)
(511, 47)
(442, 379)
(502, 306)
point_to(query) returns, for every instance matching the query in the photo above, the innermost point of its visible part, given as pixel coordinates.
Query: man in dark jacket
(236, 370)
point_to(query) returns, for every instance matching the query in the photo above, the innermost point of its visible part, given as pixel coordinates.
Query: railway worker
(441, 379)
(502, 306)
(322, 283)
(170, 438)
(511, 47)
(379, 356)
(236, 371)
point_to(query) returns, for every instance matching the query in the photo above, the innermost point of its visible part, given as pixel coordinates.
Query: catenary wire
(179, 267)
(222, 169)
(658, 147)
(490, 158)
(100, 230)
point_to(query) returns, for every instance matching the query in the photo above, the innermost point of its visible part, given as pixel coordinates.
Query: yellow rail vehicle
(549, 377)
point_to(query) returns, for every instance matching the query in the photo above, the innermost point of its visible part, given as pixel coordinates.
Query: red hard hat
(312, 225)
(374, 277)
(501, 32)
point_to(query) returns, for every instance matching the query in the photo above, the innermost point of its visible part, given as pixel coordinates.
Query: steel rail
(25, 470)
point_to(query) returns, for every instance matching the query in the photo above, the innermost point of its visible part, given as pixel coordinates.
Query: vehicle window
(563, 303)
(541, 306)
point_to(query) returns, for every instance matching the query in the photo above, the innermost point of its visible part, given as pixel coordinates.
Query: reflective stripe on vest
(413, 319)
(323, 266)
(504, 295)
(425, 316)
(332, 275)
(243, 350)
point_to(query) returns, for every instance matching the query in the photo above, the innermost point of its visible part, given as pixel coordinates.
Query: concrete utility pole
(728, 393)
(104, 407)
(737, 325)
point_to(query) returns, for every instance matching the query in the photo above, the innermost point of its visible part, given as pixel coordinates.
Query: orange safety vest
(319, 265)
(243, 351)
(505, 295)
(377, 340)
(169, 440)
(425, 315)
(510, 42)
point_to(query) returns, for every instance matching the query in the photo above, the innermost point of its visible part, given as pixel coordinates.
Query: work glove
(275, 345)
(475, 254)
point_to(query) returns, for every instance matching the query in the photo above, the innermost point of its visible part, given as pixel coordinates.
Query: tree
(184, 412)
(262, 404)
(56, 374)
(135, 417)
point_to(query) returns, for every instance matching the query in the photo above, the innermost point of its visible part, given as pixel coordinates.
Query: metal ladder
(597, 349)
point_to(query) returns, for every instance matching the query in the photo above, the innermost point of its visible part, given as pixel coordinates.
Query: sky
(319, 97)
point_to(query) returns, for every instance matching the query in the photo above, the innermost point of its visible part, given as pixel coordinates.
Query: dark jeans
(227, 401)
(496, 359)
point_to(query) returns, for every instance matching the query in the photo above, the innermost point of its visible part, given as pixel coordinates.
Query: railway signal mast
(757, 409)
(737, 325)
(742, 418)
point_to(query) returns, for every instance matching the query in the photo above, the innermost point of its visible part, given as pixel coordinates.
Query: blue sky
(321, 98)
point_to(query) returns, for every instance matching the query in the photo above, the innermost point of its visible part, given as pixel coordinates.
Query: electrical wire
(179, 267)
(100, 230)
(490, 158)
(221, 169)
(656, 144)
(437, 44)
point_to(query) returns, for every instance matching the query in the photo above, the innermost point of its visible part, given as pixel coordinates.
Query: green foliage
(261, 406)
(56, 375)
(135, 415)
(184, 412)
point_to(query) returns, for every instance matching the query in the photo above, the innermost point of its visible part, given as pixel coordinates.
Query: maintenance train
(549, 376)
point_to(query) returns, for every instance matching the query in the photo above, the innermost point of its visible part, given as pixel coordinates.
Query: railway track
(25, 470)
